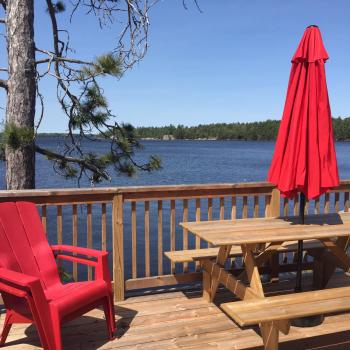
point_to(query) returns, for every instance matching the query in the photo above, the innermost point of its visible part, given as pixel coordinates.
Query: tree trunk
(20, 162)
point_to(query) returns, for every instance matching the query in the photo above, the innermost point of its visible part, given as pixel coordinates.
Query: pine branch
(84, 164)
(3, 3)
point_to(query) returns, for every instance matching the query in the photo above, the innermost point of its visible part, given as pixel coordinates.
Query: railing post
(118, 248)
(275, 203)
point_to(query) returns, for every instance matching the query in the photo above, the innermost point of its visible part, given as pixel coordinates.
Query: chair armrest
(101, 265)
(17, 278)
(79, 250)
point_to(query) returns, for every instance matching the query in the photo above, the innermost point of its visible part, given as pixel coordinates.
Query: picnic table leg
(252, 269)
(206, 285)
(269, 332)
(224, 252)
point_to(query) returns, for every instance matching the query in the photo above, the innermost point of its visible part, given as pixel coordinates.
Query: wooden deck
(183, 320)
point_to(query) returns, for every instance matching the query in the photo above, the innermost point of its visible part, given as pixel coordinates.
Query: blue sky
(229, 63)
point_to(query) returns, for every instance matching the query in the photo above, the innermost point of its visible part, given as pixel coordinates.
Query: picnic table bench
(328, 233)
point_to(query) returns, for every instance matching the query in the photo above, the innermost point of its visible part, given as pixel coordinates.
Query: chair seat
(67, 297)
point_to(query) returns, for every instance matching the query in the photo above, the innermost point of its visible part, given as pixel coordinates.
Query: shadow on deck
(182, 320)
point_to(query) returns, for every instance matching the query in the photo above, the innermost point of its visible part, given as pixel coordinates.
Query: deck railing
(138, 224)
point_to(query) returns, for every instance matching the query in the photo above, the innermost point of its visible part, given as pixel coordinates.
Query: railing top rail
(131, 193)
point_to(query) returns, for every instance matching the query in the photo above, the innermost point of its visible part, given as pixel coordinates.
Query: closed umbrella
(304, 159)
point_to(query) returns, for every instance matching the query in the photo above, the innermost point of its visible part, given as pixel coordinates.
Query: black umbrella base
(309, 321)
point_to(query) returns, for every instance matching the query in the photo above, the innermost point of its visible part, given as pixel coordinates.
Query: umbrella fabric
(304, 159)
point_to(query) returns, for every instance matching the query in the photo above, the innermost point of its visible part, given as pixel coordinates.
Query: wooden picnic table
(332, 230)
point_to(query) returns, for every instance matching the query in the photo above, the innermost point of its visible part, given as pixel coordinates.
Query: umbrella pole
(300, 243)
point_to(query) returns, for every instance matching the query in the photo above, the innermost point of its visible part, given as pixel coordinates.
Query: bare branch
(3, 69)
(3, 20)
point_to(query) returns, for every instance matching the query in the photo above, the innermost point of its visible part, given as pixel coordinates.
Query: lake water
(184, 162)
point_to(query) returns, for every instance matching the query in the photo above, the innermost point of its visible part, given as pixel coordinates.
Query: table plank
(247, 231)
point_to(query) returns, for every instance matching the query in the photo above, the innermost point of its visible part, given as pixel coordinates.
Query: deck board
(182, 320)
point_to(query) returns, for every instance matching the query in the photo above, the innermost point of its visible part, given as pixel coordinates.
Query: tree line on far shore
(264, 131)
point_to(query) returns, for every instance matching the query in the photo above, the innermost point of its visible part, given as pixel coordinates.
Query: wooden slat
(75, 237)
(256, 207)
(89, 236)
(245, 207)
(160, 237)
(210, 212)
(147, 242)
(296, 205)
(289, 306)
(172, 230)
(268, 205)
(270, 230)
(222, 208)
(336, 202)
(233, 208)
(44, 217)
(133, 240)
(198, 219)
(285, 207)
(118, 248)
(104, 226)
(185, 231)
(59, 224)
(346, 202)
(326, 203)
(317, 206)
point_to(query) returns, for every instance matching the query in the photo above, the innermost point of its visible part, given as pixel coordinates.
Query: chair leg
(6, 328)
(108, 307)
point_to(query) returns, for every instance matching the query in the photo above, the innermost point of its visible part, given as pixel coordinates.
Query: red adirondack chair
(30, 284)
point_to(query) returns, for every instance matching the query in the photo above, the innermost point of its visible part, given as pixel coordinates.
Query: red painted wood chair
(30, 284)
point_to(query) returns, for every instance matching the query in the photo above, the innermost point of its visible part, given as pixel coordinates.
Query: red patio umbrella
(304, 159)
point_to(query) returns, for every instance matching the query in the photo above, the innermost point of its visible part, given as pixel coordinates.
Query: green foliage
(15, 136)
(266, 130)
(108, 64)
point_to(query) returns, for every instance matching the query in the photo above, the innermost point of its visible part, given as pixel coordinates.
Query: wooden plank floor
(182, 320)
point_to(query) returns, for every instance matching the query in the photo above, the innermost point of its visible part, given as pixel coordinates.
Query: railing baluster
(245, 207)
(256, 206)
(222, 208)
(285, 206)
(346, 202)
(198, 218)
(160, 237)
(147, 244)
(89, 236)
(172, 231)
(268, 205)
(44, 217)
(59, 224)
(296, 205)
(336, 202)
(75, 237)
(210, 213)
(326, 203)
(103, 227)
(233, 208)
(317, 206)
(185, 231)
(133, 241)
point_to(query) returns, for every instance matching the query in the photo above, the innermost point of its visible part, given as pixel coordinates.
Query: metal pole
(300, 243)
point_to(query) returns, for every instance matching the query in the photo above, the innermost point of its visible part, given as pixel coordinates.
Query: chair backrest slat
(27, 243)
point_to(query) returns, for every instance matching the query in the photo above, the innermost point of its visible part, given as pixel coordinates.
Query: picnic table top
(278, 229)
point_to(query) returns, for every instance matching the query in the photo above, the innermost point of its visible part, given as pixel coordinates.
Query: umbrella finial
(312, 25)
